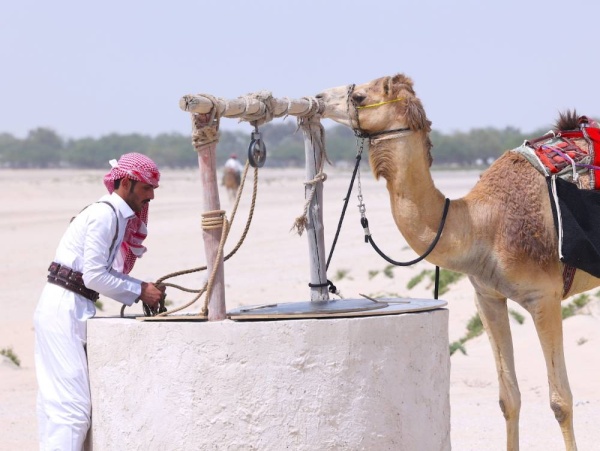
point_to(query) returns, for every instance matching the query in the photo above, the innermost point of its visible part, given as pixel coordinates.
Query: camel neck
(405, 165)
(417, 205)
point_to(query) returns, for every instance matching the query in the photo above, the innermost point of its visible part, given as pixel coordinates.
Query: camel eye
(358, 97)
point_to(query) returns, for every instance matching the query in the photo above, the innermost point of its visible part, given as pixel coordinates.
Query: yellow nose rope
(374, 105)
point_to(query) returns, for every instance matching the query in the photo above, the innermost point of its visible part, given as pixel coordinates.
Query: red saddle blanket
(571, 151)
(570, 160)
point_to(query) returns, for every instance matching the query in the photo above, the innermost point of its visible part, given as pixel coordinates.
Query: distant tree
(172, 150)
(341, 144)
(42, 148)
(10, 148)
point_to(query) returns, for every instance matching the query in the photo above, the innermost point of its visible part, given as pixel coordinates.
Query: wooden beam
(250, 105)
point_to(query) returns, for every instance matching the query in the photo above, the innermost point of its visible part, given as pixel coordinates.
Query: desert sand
(272, 266)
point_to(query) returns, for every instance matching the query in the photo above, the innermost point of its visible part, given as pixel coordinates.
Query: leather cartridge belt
(65, 277)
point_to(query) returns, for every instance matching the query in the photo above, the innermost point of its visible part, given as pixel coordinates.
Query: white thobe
(234, 163)
(64, 404)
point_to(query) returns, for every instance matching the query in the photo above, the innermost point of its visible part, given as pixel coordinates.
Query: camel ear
(416, 119)
(401, 81)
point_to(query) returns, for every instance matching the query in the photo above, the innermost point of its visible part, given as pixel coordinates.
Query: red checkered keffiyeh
(134, 166)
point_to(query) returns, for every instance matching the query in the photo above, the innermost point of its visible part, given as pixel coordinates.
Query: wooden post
(207, 161)
(313, 142)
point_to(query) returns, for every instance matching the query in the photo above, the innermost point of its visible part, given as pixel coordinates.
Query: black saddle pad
(579, 211)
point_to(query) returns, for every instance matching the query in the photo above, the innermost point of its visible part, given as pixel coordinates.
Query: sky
(88, 69)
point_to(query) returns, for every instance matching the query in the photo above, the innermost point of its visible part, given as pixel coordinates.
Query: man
(234, 165)
(94, 257)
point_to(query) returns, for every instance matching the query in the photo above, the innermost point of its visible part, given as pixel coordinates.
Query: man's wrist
(143, 286)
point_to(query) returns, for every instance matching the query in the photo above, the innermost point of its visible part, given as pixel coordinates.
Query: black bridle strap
(369, 239)
(436, 289)
(362, 134)
(339, 227)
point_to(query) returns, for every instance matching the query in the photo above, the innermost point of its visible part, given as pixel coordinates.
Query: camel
(231, 181)
(501, 234)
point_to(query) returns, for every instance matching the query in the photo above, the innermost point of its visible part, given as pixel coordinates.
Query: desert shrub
(474, 329)
(447, 278)
(341, 274)
(575, 305)
(8, 352)
(517, 316)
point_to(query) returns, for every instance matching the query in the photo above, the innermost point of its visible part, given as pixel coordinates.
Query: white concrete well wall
(366, 383)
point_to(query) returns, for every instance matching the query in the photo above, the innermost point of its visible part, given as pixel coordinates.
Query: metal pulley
(257, 151)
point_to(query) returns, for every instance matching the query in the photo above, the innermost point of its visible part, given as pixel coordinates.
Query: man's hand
(152, 294)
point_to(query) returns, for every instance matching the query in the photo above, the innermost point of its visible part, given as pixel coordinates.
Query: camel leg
(493, 312)
(547, 317)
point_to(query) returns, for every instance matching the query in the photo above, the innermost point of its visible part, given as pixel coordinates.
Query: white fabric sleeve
(100, 232)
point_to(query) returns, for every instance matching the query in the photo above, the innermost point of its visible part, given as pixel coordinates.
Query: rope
(211, 279)
(313, 108)
(209, 222)
(301, 221)
(224, 235)
(266, 110)
(203, 133)
(214, 219)
(375, 105)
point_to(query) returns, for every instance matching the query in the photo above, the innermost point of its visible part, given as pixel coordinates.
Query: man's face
(136, 194)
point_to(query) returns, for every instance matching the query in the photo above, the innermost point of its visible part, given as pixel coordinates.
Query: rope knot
(301, 221)
(314, 107)
(320, 177)
(265, 110)
(205, 127)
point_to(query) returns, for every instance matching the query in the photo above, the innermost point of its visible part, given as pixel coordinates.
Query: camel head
(383, 104)
(378, 108)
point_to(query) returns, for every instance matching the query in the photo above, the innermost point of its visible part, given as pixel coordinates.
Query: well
(366, 383)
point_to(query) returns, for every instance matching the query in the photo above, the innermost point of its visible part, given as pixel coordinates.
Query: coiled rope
(213, 220)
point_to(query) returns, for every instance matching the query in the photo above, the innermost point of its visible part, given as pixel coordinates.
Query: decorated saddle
(570, 160)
